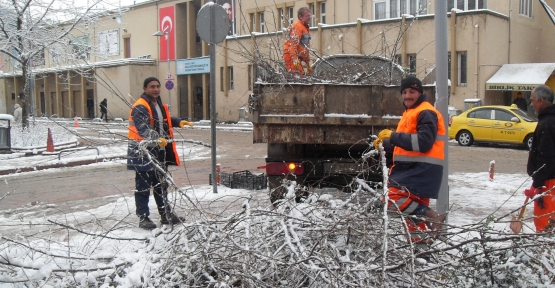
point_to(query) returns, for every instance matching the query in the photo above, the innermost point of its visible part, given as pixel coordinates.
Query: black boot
(146, 223)
(170, 218)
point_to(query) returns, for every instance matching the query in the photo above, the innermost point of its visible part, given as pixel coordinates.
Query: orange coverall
(294, 47)
(543, 216)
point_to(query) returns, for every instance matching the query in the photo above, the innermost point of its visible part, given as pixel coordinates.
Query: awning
(520, 77)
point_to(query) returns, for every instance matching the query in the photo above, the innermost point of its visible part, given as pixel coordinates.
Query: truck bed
(323, 113)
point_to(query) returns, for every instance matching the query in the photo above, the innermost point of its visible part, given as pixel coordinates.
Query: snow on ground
(111, 231)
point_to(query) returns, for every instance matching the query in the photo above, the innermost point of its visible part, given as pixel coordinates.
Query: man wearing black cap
(150, 128)
(416, 174)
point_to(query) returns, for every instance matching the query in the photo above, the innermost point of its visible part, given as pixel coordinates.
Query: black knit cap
(411, 82)
(150, 79)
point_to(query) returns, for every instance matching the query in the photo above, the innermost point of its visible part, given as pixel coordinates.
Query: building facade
(483, 37)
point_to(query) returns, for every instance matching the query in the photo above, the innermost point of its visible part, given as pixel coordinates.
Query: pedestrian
(17, 113)
(104, 109)
(541, 159)
(151, 126)
(297, 43)
(520, 102)
(90, 107)
(416, 174)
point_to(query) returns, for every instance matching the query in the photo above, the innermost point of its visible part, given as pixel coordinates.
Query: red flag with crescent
(167, 24)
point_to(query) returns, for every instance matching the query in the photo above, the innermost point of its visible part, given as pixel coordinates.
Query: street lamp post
(167, 35)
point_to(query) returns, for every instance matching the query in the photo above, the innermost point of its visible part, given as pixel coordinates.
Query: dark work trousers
(144, 180)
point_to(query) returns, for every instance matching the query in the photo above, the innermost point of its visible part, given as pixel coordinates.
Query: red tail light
(450, 121)
(284, 168)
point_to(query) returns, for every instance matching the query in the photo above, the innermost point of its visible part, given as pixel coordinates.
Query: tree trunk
(25, 95)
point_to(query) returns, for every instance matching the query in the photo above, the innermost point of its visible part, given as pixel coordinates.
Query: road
(88, 185)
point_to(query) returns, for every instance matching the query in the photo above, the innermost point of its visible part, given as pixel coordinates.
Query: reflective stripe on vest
(408, 125)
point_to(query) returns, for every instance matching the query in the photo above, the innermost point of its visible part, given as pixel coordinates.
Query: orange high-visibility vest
(408, 125)
(134, 134)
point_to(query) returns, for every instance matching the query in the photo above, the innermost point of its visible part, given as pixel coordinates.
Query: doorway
(42, 104)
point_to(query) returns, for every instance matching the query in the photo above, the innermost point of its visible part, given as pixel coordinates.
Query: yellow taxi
(493, 124)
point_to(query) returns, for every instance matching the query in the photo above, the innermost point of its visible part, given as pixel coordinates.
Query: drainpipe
(476, 60)
(510, 20)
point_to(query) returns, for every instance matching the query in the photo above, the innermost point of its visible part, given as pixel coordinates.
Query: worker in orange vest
(418, 157)
(297, 43)
(151, 125)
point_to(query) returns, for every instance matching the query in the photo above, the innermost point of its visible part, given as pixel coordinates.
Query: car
(493, 124)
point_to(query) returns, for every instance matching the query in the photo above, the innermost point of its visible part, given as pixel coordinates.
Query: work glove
(297, 64)
(384, 134)
(309, 69)
(183, 123)
(162, 142)
(532, 192)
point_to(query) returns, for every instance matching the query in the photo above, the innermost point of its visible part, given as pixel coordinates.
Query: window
(379, 10)
(412, 64)
(230, 77)
(449, 65)
(480, 114)
(503, 115)
(312, 21)
(250, 76)
(287, 18)
(127, 47)
(393, 9)
(384, 9)
(261, 20)
(461, 58)
(398, 59)
(466, 4)
(323, 12)
(283, 19)
(222, 79)
(252, 22)
(80, 47)
(525, 8)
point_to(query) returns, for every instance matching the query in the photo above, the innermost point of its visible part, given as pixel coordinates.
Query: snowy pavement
(111, 146)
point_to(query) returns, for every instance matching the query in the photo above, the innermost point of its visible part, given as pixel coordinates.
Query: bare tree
(30, 28)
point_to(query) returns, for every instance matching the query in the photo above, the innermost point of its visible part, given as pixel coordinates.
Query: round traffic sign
(169, 85)
(221, 23)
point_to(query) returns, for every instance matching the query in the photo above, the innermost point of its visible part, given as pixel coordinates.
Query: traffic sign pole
(213, 16)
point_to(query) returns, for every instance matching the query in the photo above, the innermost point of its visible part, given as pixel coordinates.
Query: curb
(57, 165)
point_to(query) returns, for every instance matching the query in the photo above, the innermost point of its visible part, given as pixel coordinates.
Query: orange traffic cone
(76, 123)
(49, 142)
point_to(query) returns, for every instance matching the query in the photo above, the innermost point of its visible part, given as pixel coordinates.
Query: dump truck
(317, 131)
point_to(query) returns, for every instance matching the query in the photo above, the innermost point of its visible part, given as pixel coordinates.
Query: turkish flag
(167, 24)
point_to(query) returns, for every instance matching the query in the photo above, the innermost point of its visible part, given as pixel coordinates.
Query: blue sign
(169, 85)
(193, 66)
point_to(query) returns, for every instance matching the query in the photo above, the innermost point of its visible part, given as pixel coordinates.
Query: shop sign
(511, 87)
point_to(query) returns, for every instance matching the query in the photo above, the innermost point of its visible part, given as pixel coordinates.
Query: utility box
(471, 103)
(242, 114)
(5, 133)
(452, 111)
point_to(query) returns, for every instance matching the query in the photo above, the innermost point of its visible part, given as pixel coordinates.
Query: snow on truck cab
(318, 128)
